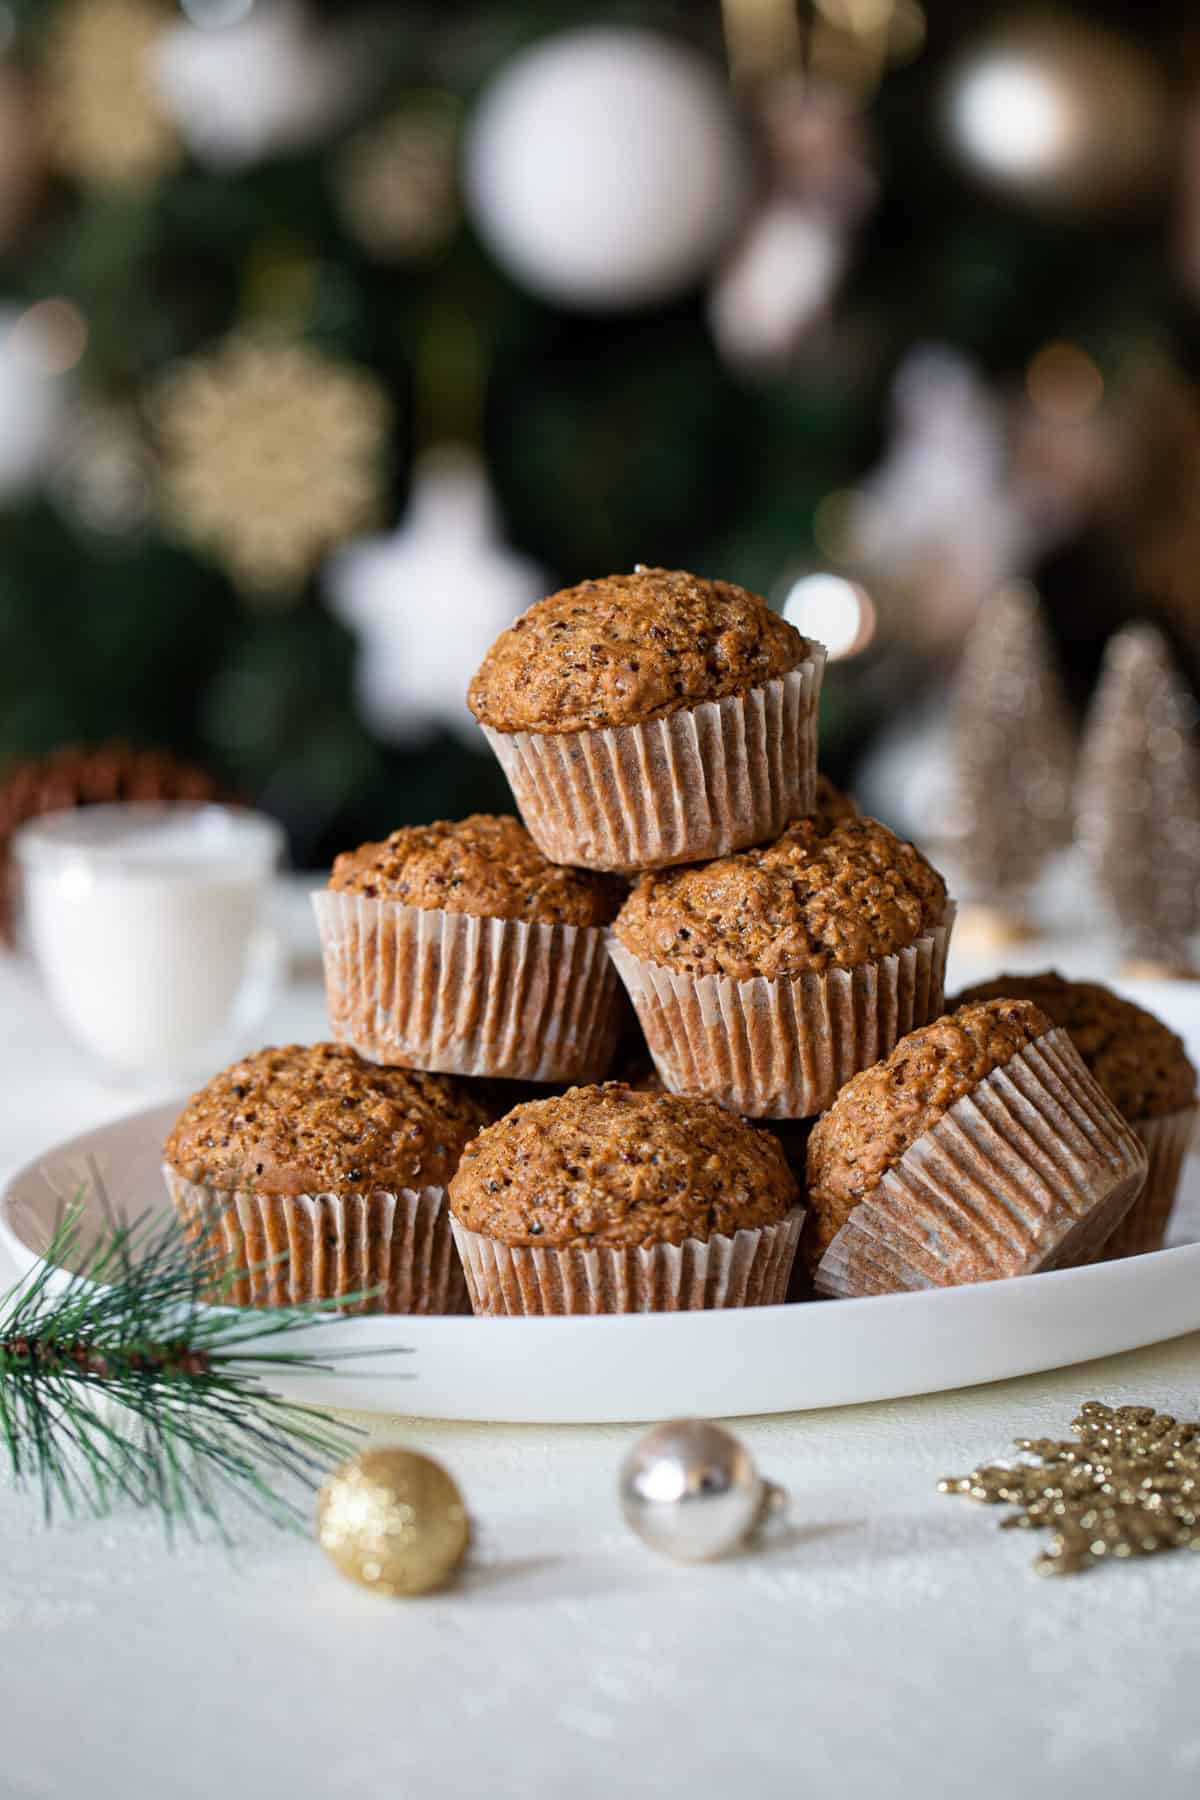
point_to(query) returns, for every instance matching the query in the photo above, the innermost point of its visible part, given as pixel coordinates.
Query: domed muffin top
(612, 1166)
(316, 1118)
(630, 648)
(1138, 1061)
(883, 1110)
(486, 864)
(832, 892)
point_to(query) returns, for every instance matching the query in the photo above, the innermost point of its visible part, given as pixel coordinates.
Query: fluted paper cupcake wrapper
(781, 1049)
(1030, 1171)
(467, 995)
(1144, 1227)
(288, 1249)
(703, 781)
(751, 1268)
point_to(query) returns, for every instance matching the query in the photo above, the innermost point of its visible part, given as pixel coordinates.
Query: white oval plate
(653, 1366)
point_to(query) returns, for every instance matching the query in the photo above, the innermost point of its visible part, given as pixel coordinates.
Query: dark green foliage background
(610, 440)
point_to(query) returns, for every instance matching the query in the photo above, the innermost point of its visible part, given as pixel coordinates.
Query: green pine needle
(193, 1425)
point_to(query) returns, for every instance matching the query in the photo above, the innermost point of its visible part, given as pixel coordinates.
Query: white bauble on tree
(605, 168)
(261, 85)
(427, 600)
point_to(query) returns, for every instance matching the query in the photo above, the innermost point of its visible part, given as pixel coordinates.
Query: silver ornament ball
(690, 1490)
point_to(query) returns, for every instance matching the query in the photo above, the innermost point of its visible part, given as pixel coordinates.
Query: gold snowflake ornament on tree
(1127, 1484)
(272, 452)
(396, 182)
(106, 125)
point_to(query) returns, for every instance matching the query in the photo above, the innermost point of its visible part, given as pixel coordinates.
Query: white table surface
(890, 1642)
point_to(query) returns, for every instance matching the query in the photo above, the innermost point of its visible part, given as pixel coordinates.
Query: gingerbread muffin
(980, 1148)
(652, 718)
(1143, 1068)
(321, 1176)
(765, 979)
(456, 946)
(611, 1199)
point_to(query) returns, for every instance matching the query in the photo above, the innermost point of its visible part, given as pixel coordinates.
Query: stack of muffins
(785, 961)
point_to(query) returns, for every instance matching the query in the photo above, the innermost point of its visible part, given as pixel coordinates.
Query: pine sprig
(128, 1381)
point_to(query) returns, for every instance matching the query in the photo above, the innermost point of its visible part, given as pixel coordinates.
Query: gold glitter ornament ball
(394, 1521)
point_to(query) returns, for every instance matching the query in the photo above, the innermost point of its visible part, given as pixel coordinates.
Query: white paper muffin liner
(781, 1049)
(467, 995)
(1033, 1170)
(703, 781)
(751, 1268)
(1144, 1227)
(287, 1249)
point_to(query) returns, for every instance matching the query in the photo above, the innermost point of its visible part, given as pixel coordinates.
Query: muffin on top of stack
(676, 844)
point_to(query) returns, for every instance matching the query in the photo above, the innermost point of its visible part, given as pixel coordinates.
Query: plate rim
(1095, 1273)
(816, 1335)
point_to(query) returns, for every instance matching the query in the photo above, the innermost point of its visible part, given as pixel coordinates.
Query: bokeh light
(838, 613)
(1012, 118)
(1061, 111)
(50, 337)
(1064, 385)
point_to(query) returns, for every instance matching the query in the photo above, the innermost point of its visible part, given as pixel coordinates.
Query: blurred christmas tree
(663, 273)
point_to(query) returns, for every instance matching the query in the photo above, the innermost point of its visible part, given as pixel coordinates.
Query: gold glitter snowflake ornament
(396, 181)
(106, 125)
(272, 453)
(1127, 1484)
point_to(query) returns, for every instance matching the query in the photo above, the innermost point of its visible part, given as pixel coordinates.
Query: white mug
(148, 922)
